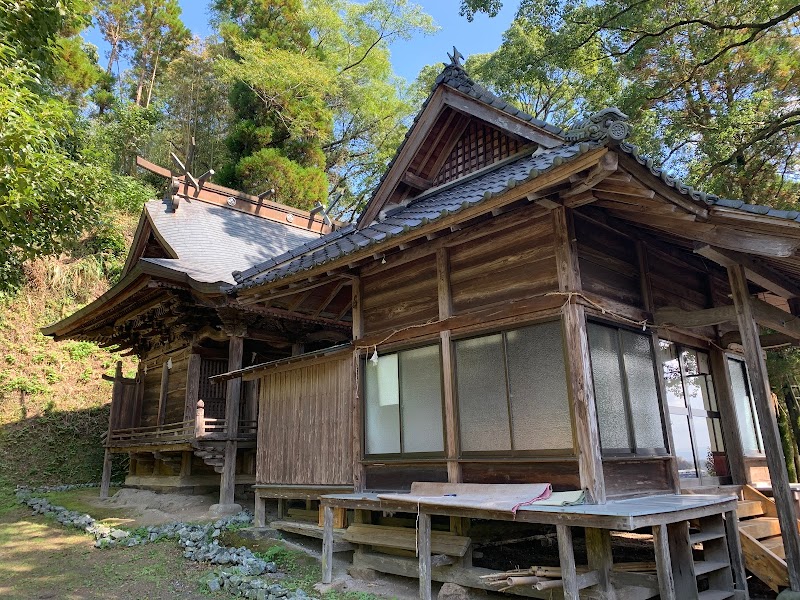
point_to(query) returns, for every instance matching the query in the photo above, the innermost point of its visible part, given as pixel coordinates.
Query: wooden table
(667, 515)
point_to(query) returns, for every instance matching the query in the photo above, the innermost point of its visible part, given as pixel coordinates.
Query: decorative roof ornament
(609, 124)
(456, 59)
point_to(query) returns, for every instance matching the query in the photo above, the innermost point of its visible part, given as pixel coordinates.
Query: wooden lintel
(416, 181)
(768, 340)
(757, 272)
(576, 200)
(294, 316)
(695, 318)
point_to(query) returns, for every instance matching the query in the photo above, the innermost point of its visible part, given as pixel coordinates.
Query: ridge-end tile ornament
(609, 124)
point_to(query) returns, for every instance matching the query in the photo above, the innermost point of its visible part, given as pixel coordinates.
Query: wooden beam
(670, 315)
(762, 397)
(335, 292)
(424, 551)
(416, 181)
(566, 558)
(599, 558)
(757, 271)
(576, 341)
(603, 169)
(500, 119)
(152, 167)
(775, 318)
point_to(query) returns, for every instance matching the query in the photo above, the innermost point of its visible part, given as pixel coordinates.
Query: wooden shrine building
(516, 305)
(169, 309)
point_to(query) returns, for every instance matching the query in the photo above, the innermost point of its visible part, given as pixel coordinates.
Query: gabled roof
(607, 129)
(448, 199)
(455, 89)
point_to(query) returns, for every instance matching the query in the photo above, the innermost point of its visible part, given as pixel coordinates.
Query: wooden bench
(405, 538)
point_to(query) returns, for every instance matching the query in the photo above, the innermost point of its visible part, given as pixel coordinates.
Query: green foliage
(294, 185)
(23, 384)
(538, 69)
(80, 350)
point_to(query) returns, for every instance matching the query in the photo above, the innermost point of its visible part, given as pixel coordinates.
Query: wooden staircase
(212, 454)
(710, 562)
(760, 535)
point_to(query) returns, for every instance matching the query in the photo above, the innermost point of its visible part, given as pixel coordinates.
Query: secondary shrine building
(516, 305)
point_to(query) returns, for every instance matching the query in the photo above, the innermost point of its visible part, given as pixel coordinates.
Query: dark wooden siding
(306, 423)
(388, 477)
(509, 265)
(608, 262)
(637, 476)
(563, 475)
(401, 297)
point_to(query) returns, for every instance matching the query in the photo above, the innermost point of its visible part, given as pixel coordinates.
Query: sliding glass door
(694, 415)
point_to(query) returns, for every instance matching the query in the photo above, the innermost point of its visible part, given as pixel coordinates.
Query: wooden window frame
(401, 456)
(759, 439)
(633, 451)
(558, 453)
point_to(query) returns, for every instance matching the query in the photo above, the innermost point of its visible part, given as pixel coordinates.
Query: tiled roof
(456, 77)
(213, 241)
(437, 203)
(701, 196)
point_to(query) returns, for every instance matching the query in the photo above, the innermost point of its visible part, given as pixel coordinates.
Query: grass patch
(84, 501)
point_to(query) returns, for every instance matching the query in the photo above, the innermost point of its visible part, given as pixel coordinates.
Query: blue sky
(408, 57)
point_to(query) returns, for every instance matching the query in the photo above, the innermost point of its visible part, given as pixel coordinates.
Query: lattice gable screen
(480, 145)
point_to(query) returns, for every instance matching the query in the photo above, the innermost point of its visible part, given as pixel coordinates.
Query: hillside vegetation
(53, 401)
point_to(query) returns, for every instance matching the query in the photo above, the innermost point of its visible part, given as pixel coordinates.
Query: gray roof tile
(214, 241)
(428, 207)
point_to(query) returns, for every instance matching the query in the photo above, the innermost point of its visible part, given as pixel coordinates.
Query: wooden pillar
(327, 544)
(424, 550)
(448, 382)
(728, 417)
(757, 370)
(598, 554)
(680, 551)
(358, 401)
(666, 585)
(192, 386)
(566, 556)
(113, 419)
(260, 511)
(105, 482)
(355, 310)
(579, 370)
(232, 396)
(162, 397)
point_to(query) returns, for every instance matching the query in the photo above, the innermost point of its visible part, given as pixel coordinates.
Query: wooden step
(406, 538)
(715, 595)
(749, 508)
(701, 567)
(704, 536)
(761, 527)
(775, 545)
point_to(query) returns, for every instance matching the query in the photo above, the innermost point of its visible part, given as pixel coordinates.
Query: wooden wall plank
(305, 425)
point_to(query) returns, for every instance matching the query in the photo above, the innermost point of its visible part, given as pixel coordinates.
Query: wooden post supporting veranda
(757, 370)
(424, 551)
(327, 544)
(116, 392)
(232, 395)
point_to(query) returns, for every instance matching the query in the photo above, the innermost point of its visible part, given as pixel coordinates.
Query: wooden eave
(144, 230)
(541, 185)
(255, 371)
(446, 97)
